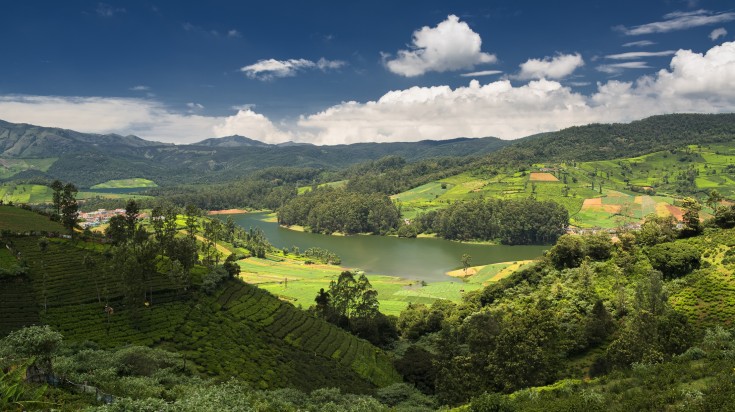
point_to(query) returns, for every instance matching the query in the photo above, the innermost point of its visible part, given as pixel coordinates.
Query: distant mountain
(231, 141)
(87, 159)
(29, 141)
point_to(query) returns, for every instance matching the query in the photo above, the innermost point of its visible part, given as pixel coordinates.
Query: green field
(693, 170)
(125, 184)
(283, 346)
(11, 167)
(16, 219)
(38, 194)
(339, 183)
(297, 282)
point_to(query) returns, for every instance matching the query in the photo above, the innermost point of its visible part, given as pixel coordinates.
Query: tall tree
(69, 207)
(58, 189)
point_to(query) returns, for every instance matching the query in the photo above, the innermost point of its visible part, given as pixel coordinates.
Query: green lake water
(423, 259)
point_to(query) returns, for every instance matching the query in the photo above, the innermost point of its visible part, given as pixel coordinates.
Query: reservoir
(421, 259)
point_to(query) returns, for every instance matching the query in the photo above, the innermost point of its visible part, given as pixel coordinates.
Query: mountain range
(87, 159)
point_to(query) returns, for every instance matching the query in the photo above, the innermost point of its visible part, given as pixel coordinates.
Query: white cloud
(233, 33)
(717, 33)
(694, 83)
(140, 88)
(680, 21)
(699, 83)
(271, 68)
(194, 107)
(558, 67)
(253, 125)
(451, 45)
(639, 55)
(482, 73)
(640, 43)
(619, 67)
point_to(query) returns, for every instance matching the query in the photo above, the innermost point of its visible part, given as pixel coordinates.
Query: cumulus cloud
(639, 55)
(270, 69)
(679, 20)
(253, 125)
(640, 43)
(717, 33)
(694, 82)
(140, 88)
(451, 45)
(145, 118)
(556, 67)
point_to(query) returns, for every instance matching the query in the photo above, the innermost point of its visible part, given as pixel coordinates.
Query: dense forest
(512, 222)
(329, 210)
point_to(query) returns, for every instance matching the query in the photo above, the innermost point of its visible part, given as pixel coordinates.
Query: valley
(636, 270)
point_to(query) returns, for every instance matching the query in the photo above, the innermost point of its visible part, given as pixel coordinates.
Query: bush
(491, 402)
(674, 260)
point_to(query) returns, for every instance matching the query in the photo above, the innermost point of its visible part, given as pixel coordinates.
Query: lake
(421, 259)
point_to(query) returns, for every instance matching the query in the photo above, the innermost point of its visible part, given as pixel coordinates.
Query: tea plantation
(239, 330)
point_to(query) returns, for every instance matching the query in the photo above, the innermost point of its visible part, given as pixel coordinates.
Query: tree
(567, 252)
(69, 207)
(191, 218)
(132, 212)
(58, 189)
(466, 260)
(231, 266)
(713, 199)
(39, 342)
(116, 230)
(692, 225)
(674, 259)
(656, 229)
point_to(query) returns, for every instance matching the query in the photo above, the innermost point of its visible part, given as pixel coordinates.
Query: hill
(87, 159)
(619, 140)
(238, 330)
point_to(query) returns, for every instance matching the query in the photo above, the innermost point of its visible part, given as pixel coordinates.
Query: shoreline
(227, 212)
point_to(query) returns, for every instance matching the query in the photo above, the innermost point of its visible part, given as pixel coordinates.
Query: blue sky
(345, 72)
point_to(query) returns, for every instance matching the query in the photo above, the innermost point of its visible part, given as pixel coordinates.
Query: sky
(340, 72)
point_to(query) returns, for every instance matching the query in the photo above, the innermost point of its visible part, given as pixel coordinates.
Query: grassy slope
(11, 167)
(125, 184)
(37, 194)
(283, 345)
(617, 200)
(16, 219)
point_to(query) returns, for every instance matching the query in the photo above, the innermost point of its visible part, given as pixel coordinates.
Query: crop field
(707, 297)
(596, 194)
(214, 333)
(125, 184)
(11, 167)
(17, 301)
(38, 194)
(340, 183)
(16, 219)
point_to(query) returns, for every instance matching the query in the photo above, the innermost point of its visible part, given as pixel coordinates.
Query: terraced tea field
(241, 330)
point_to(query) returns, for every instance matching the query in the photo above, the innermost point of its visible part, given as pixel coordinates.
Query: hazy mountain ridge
(87, 159)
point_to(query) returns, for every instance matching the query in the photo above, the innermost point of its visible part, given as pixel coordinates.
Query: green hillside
(284, 346)
(15, 219)
(605, 193)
